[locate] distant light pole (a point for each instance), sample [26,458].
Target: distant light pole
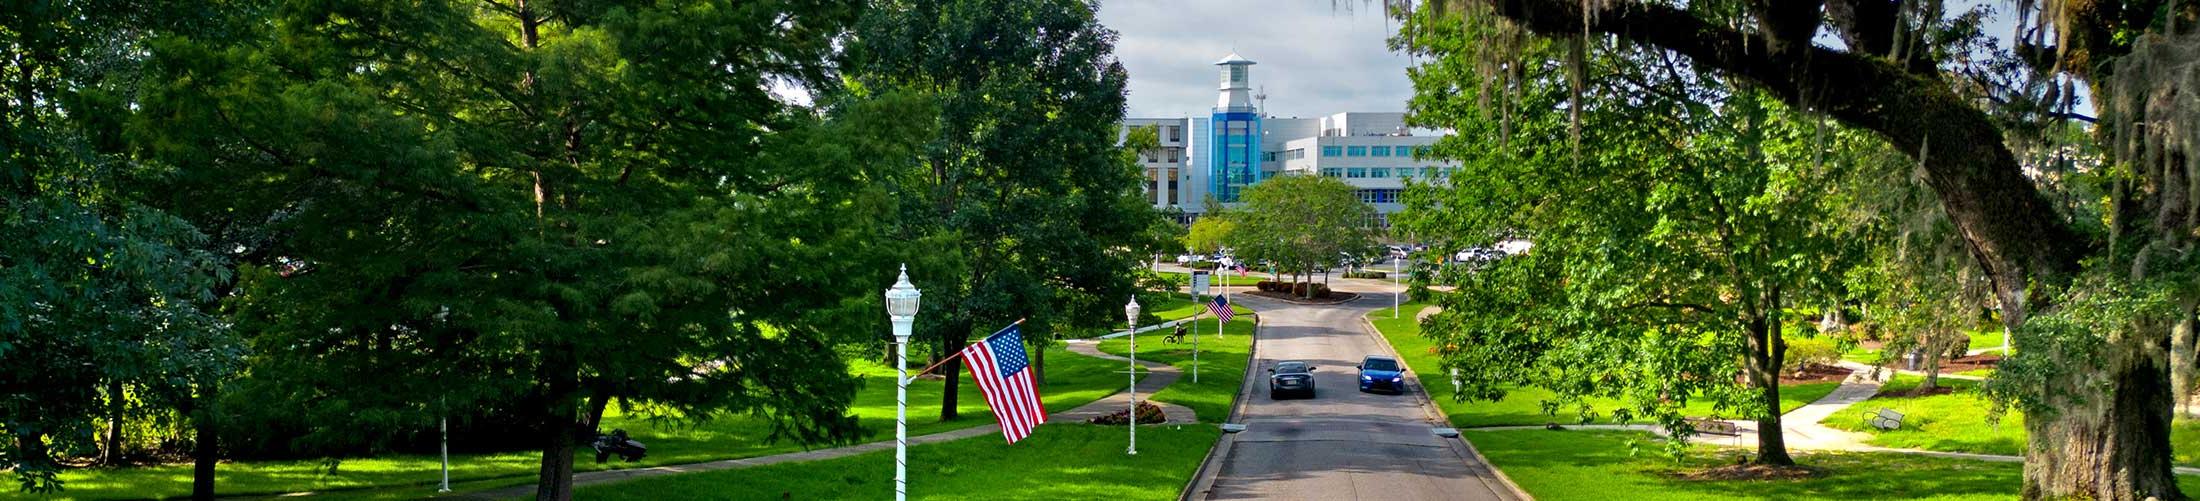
[1130,311]
[901,311]
[445,425]
[1396,262]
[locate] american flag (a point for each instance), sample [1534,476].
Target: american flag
[1221,308]
[1003,371]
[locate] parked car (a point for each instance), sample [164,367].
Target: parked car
[1186,258]
[1290,377]
[1382,374]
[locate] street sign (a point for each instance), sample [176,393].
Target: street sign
[1199,282]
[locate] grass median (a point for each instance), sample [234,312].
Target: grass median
[1958,422]
[1222,361]
[1058,461]
[1072,380]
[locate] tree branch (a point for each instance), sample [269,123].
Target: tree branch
[2015,234]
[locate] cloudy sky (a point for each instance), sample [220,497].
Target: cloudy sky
[1316,56]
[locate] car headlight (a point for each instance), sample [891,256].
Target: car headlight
[1394,380]
[1364,377]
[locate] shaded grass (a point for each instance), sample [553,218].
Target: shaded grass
[1597,466]
[1072,380]
[1957,422]
[1523,405]
[1221,364]
[1058,461]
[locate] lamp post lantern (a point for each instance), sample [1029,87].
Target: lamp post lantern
[901,311]
[1130,311]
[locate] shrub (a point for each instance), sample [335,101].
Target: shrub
[1810,351]
[1270,286]
[1318,291]
[1366,274]
[1203,265]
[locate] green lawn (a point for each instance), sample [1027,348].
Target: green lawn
[1221,364]
[1072,380]
[1522,405]
[1597,466]
[1178,306]
[1985,338]
[1956,422]
[1058,461]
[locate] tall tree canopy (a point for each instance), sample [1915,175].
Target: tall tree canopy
[531,209]
[1024,206]
[105,302]
[1918,76]
[1301,223]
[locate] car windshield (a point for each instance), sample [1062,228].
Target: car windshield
[1291,368]
[1380,364]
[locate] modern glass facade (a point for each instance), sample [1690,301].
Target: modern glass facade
[1234,161]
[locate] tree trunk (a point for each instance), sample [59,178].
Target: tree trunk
[1038,366]
[204,451]
[2109,445]
[555,480]
[957,338]
[1932,370]
[110,448]
[2182,364]
[1766,351]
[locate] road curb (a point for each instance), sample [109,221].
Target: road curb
[1201,482]
[1428,406]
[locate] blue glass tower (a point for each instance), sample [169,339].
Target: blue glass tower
[1233,133]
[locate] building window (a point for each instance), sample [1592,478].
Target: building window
[1173,198]
[1382,151]
[1176,133]
[1331,151]
[1175,154]
[1405,173]
[1421,150]
[1355,151]
[1378,196]
[1332,172]
[1355,172]
[1378,172]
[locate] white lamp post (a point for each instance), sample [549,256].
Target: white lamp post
[1131,311]
[1398,281]
[901,310]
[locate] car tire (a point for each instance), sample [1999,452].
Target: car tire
[1272,395]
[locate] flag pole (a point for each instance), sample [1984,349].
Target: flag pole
[950,358]
[1195,338]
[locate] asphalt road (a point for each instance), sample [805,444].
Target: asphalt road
[1342,444]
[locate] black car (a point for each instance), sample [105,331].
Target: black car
[1291,377]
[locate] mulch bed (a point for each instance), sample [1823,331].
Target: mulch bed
[1919,392]
[1750,472]
[1334,297]
[1970,363]
[1815,373]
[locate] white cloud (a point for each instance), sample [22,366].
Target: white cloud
[1316,57]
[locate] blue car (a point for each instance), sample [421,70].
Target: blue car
[1382,374]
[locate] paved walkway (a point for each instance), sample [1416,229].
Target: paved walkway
[1159,376]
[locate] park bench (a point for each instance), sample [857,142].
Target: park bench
[1885,419]
[1708,426]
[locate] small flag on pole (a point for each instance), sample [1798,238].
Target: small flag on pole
[1221,308]
[1003,372]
